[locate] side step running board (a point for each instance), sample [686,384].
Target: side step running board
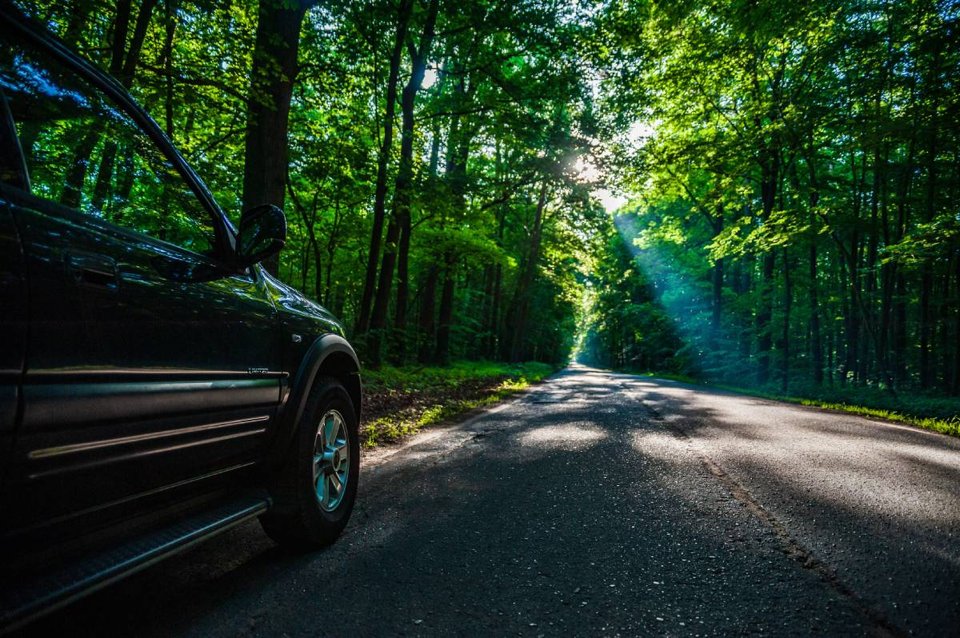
[27,599]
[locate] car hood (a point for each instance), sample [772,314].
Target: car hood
[297,312]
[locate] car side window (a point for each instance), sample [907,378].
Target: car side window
[85,152]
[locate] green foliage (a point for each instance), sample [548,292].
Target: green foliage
[506,114]
[626,327]
[792,165]
[410,379]
[795,209]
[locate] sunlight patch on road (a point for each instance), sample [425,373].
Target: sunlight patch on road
[818,457]
[563,437]
[660,445]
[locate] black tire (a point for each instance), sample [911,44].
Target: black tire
[298,518]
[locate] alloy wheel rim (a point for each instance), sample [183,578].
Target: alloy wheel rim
[331,461]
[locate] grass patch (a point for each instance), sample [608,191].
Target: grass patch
[682,378]
[400,401]
[949,426]
[930,412]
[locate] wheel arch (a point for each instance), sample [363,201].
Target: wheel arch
[329,356]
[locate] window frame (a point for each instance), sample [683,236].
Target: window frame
[224,240]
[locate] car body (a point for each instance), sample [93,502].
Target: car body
[157,385]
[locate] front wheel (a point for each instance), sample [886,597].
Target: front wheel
[315,490]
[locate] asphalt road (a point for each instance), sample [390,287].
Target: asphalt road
[597,504]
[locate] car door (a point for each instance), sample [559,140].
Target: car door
[13,318]
[12,326]
[152,368]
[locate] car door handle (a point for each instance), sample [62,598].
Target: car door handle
[93,270]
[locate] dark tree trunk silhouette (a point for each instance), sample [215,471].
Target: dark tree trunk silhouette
[397,245]
[272,75]
[383,159]
[521,298]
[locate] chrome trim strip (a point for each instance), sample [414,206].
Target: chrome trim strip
[142,453]
[137,438]
[43,374]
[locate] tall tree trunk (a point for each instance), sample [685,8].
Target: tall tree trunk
[932,79]
[445,319]
[945,365]
[851,261]
[830,351]
[378,317]
[123,66]
[492,346]
[900,327]
[768,194]
[521,299]
[129,69]
[926,287]
[769,157]
[926,324]
[403,189]
[491,343]
[496,312]
[427,322]
[899,302]
[170,8]
[887,270]
[318,287]
[481,338]
[455,174]
[332,243]
[764,316]
[310,223]
[716,314]
[787,307]
[383,158]
[272,75]
[816,347]
[398,347]
[304,268]
[741,286]
[955,390]
[121,27]
[872,249]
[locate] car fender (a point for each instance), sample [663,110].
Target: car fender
[329,355]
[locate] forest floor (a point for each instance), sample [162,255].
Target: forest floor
[399,401]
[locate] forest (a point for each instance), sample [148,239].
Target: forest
[796,222]
[759,193]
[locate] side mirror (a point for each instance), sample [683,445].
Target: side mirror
[263,232]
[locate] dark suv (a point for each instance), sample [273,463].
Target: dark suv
[156,385]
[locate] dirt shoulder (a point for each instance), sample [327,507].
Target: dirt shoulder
[400,401]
